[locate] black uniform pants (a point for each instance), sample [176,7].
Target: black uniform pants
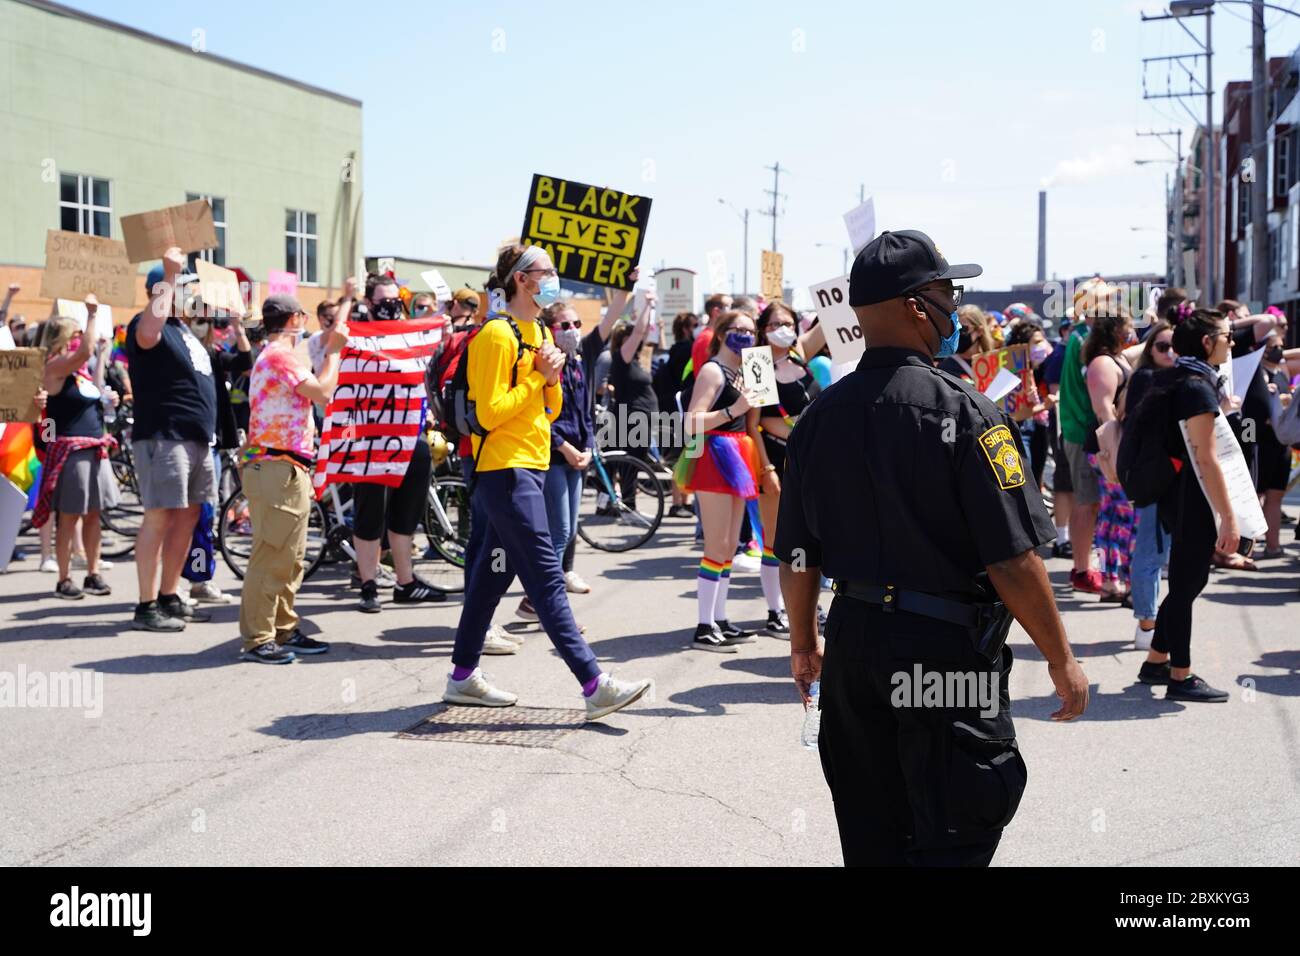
[915,785]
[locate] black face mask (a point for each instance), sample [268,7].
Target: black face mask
[1274,354]
[963,341]
[387,310]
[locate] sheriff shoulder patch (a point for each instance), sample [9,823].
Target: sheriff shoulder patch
[1004,457]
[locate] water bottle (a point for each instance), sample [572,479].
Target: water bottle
[812,718]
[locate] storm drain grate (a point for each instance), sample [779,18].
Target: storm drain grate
[512,726]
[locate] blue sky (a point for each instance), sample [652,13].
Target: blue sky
[951,114]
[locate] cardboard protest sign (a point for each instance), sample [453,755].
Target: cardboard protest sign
[861,224]
[773,275]
[840,325]
[1242,497]
[20,380]
[219,288]
[77,265]
[279,282]
[759,374]
[1014,358]
[591,233]
[149,234]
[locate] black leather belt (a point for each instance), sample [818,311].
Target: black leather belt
[891,598]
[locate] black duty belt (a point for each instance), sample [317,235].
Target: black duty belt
[891,598]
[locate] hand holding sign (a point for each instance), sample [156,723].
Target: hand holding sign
[759,373]
[591,234]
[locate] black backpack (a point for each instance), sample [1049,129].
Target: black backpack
[1145,467]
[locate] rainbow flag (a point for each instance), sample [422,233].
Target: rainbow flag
[119,345]
[18,460]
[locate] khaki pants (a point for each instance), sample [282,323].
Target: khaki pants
[279,502]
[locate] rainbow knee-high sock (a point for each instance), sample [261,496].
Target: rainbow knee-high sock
[769,575]
[707,588]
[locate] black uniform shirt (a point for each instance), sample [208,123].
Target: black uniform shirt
[901,474]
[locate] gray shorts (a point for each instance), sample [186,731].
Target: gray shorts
[86,484]
[174,474]
[1087,487]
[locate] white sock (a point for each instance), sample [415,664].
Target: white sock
[770,575]
[706,589]
[720,603]
[1063,534]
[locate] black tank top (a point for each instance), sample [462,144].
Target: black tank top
[727,396]
[74,413]
[792,396]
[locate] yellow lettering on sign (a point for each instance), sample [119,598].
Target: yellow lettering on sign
[560,200]
[588,203]
[627,207]
[545,191]
[582,232]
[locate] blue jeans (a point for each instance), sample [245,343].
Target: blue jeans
[563,490]
[509,535]
[1148,559]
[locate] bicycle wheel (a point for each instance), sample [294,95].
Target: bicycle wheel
[606,518]
[443,534]
[235,535]
[120,524]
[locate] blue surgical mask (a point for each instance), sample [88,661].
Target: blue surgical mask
[737,341]
[548,291]
[947,346]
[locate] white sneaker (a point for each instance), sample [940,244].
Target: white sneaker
[205,592]
[50,566]
[501,634]
[1142,638]
[743,562]
[79,562]
[494,643]
[475,691]
[574,584]
[612,695]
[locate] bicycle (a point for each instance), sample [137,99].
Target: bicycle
[606,519]
[121,523]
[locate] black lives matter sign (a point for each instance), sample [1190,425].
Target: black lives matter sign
[592,234]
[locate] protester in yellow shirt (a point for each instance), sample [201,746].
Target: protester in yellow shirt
[514,390]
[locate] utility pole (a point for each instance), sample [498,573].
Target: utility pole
[777,196]
[1173,205]
[1181,10]
[1259,258]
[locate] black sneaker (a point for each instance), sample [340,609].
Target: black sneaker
[369,602]
[151,617]
[68,591]
[1151,673]
[777,625]
[94,584]
[300,643]
[417,592]
[681,511]
[268,653]
[1195,690]
[735,635]
[173,606]
[709,638]
[1060,550]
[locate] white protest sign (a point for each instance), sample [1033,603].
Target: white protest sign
[386,265]
[843,335]
[437,285]
[13,502]
[6,341]
[72,309]
[1003,384]
[717,271]
[676,291]
[861,223]
[759,372]
[1242,496]
[1243,372]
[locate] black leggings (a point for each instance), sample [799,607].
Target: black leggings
[1190,554]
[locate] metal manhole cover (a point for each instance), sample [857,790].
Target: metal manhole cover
[513,726]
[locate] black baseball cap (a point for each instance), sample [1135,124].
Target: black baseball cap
[896,263]
[277,310]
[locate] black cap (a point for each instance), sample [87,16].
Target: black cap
[278,309]
[895,263]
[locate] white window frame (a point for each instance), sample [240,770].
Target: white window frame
[209,255]
[300,233]
[85,204]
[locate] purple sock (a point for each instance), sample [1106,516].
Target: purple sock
[589,688]
[460,673]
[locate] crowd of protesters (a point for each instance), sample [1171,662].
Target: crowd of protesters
[210,393]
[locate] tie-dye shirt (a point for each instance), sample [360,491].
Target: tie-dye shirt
[279,418]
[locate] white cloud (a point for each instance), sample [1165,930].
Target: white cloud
[1098,164]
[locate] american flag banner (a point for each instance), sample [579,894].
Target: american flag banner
[376,414]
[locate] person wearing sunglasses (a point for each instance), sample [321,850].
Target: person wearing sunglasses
[907,487]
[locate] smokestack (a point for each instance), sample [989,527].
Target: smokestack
[1042,235]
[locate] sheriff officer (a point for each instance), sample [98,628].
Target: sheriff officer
[907,487]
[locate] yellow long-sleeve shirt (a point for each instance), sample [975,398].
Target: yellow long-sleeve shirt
[518,419]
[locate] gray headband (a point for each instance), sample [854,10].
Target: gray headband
[531,255]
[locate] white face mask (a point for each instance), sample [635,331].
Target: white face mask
[782,337]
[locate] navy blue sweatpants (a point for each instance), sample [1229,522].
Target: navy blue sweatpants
[509,534]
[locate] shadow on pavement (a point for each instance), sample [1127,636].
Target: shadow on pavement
[1135,702]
